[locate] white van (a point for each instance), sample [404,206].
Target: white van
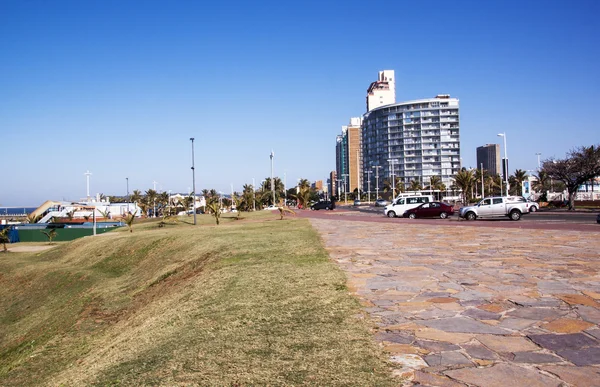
[402,204]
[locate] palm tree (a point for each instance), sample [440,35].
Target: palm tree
[435,182]
[129,221]
[50,234]
[151,196]
[214,206]
[415,185]
[304,193]
[518,178]
[464,180]
[136,196]
[163,202]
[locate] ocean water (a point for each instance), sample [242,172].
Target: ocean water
[8,211]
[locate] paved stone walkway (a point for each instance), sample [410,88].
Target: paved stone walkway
[472,306]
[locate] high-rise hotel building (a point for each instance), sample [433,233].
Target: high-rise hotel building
[414,140]
[489,156]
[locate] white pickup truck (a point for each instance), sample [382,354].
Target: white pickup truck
[496,206]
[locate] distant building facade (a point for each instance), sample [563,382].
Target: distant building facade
[332,183]
[383,91]
[489,156]
[415,140]
[348,156]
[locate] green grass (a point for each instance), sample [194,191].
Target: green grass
[254,301]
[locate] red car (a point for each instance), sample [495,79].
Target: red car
[430,210]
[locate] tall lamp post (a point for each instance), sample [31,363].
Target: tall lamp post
[345,175]
[87,178]
[393,177]
[376,168]
[128,200]
[193,181]
[272,182]
[253,196]
[358,174]
[369,185]
[503,135]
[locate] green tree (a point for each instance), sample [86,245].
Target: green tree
[435,182]
[464,180]
[516,181]
[581,165]
[213,205]
[50,234]
[415,185]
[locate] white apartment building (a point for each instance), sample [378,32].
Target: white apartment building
[383,91]
[413,140]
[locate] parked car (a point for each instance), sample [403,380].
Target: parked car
[270,208]
[497,206]
[357,202]
[533,206]
[430,210]
[381,203]
[324,205]
[598,219]
[401,204]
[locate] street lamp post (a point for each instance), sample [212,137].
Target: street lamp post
[253,196]
[369,185]
[503,135]
[393,176]
[272,182]
[358,174]
[284,189]
[128,200]
[376,167]
[345,175]
[87,178]
[193,181]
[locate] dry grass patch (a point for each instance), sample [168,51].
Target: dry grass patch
[252,301]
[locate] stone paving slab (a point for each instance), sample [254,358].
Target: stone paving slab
[471,306]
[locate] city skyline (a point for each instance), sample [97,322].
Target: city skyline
[118,89]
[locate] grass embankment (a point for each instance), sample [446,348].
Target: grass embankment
[251,302]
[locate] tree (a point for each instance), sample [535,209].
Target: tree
[580,165]
[435,182]
[129,221]
[516,181]
[136,196]
[50,234]
[213,206]
[303,195]
[464,180]
[187,203]
[4,238]
[415,185]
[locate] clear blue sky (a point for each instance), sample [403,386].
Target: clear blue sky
[119,87]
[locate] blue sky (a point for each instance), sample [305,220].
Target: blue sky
[119,87]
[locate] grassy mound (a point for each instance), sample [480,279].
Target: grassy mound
[252,301]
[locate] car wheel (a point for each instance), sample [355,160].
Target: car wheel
[391,214]
[412,215]
[515,215]
[470,216]
[443,215]
[533,209]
